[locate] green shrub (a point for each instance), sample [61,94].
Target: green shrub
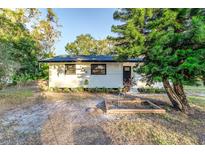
[55,89]
[151,90]
[66,90]
[81,89]
[86,82]
[103,90]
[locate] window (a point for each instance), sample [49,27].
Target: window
[98,69]
[127,68]
[70,69]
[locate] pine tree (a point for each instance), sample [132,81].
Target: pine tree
[172,42]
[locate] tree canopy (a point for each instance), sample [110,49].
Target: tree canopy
[24,39]
[172,42]
[85,44]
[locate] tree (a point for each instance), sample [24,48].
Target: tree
[15,38]
[105,47]
[172,44]
[7,66]
[23,43]
[83,45]
[87,45]
[46,33]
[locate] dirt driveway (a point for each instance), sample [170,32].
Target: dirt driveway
[56,119]
[72,118]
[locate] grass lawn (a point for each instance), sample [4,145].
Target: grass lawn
[196,95]
[195,89]
[12,97]
[197,100]
[16,93]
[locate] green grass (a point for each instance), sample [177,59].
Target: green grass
[197,100]
[15,95]
[195,89]
[193,98]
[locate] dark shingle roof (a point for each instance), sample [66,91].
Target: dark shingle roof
[88,58]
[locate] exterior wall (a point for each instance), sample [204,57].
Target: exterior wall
[112,79]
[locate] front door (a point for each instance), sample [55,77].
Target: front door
[126,75]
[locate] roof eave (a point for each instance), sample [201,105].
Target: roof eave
[48,61]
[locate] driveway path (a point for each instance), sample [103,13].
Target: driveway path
[55,122]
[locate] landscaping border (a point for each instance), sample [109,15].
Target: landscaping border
[156,108]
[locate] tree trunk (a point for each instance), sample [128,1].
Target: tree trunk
[177,96]
[178,88]
[172,95]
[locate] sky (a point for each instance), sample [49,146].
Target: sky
[96,22]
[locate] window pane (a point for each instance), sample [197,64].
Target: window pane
[98,69]
[70,69]
[127,68]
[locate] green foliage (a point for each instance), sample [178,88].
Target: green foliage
[87,45]
[103,90]
[151,90]
[170,40]
[81,89]
[7,66]
[24,39]
[86,82]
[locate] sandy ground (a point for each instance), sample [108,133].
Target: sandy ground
[55,121]
[78,118]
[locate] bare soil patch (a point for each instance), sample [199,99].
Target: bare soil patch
[55,118]
[79,118]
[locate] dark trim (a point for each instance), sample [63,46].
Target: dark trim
[48,61]
[89,58]
[98,64]
[127,75]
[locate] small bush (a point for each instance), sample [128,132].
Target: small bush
[66,90]
[103,90]
[151,90]
[56,89]
[86,82]
[81,89]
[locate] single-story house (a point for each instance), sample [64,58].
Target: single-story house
[90,71]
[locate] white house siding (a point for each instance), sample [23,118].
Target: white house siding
[112,79]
